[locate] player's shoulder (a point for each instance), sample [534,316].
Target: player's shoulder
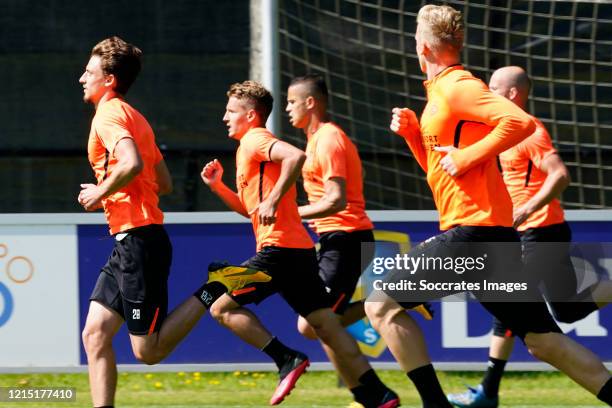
[115,108]
[464,78]
[461,83]
[539,141]
[255,138]
[257,133]
[540,133]
[330,133]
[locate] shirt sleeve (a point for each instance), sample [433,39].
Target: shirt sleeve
[112,126]
[470,99]
[331,155]
[415,143]
[538,146]
[257,145]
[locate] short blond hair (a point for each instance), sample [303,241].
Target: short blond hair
[442,26]
[256,94]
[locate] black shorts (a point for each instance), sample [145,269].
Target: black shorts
[134,281]
[552,266]
[520,317]
[294,277]
[341,257]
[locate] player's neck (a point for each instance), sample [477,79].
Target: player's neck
[107,97]
[316,122]
[435,68]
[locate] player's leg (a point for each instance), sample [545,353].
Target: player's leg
[532,322]
[485,395]
[311,301]
[406,342]
[104,319]
[145,258]
[340,260]
[147,255]
[228,310]
[401,333]
[100,327]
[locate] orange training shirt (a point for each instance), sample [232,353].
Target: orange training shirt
[462,112]
[256,176]
[136,204]
[330,153]
[521,170]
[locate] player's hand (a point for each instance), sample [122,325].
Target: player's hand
[521,214]
[266,212]
[312,225]
[212,173]
[447,163]
[404,121]
[90,197]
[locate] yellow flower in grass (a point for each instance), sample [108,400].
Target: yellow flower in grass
[188,381]
[236,373]
[148,376]
[23,381]
[158,385]
[214,382]
[180,374]
[197,374]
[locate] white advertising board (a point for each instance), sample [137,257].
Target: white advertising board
[39,314]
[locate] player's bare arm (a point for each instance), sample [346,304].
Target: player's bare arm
[129,165]
[557,180]
[291,159]
[332,202]
[212,176]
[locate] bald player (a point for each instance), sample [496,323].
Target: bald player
[535,177]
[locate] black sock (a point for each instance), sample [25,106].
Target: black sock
[209,293]
[370,379]
[493,376]
[428,386]
[370,389]
[360,393]
[278,352]
[605,394]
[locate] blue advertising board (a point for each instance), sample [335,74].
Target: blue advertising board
[458,333]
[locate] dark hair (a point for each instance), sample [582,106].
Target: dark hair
[256,94]
[121,59]
[316,86]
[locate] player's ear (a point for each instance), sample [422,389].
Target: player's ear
[252,115]
[110,81]
[513,93]
[310,102]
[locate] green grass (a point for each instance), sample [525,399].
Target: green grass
[316,389]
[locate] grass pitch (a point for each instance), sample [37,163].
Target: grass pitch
[316,389]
